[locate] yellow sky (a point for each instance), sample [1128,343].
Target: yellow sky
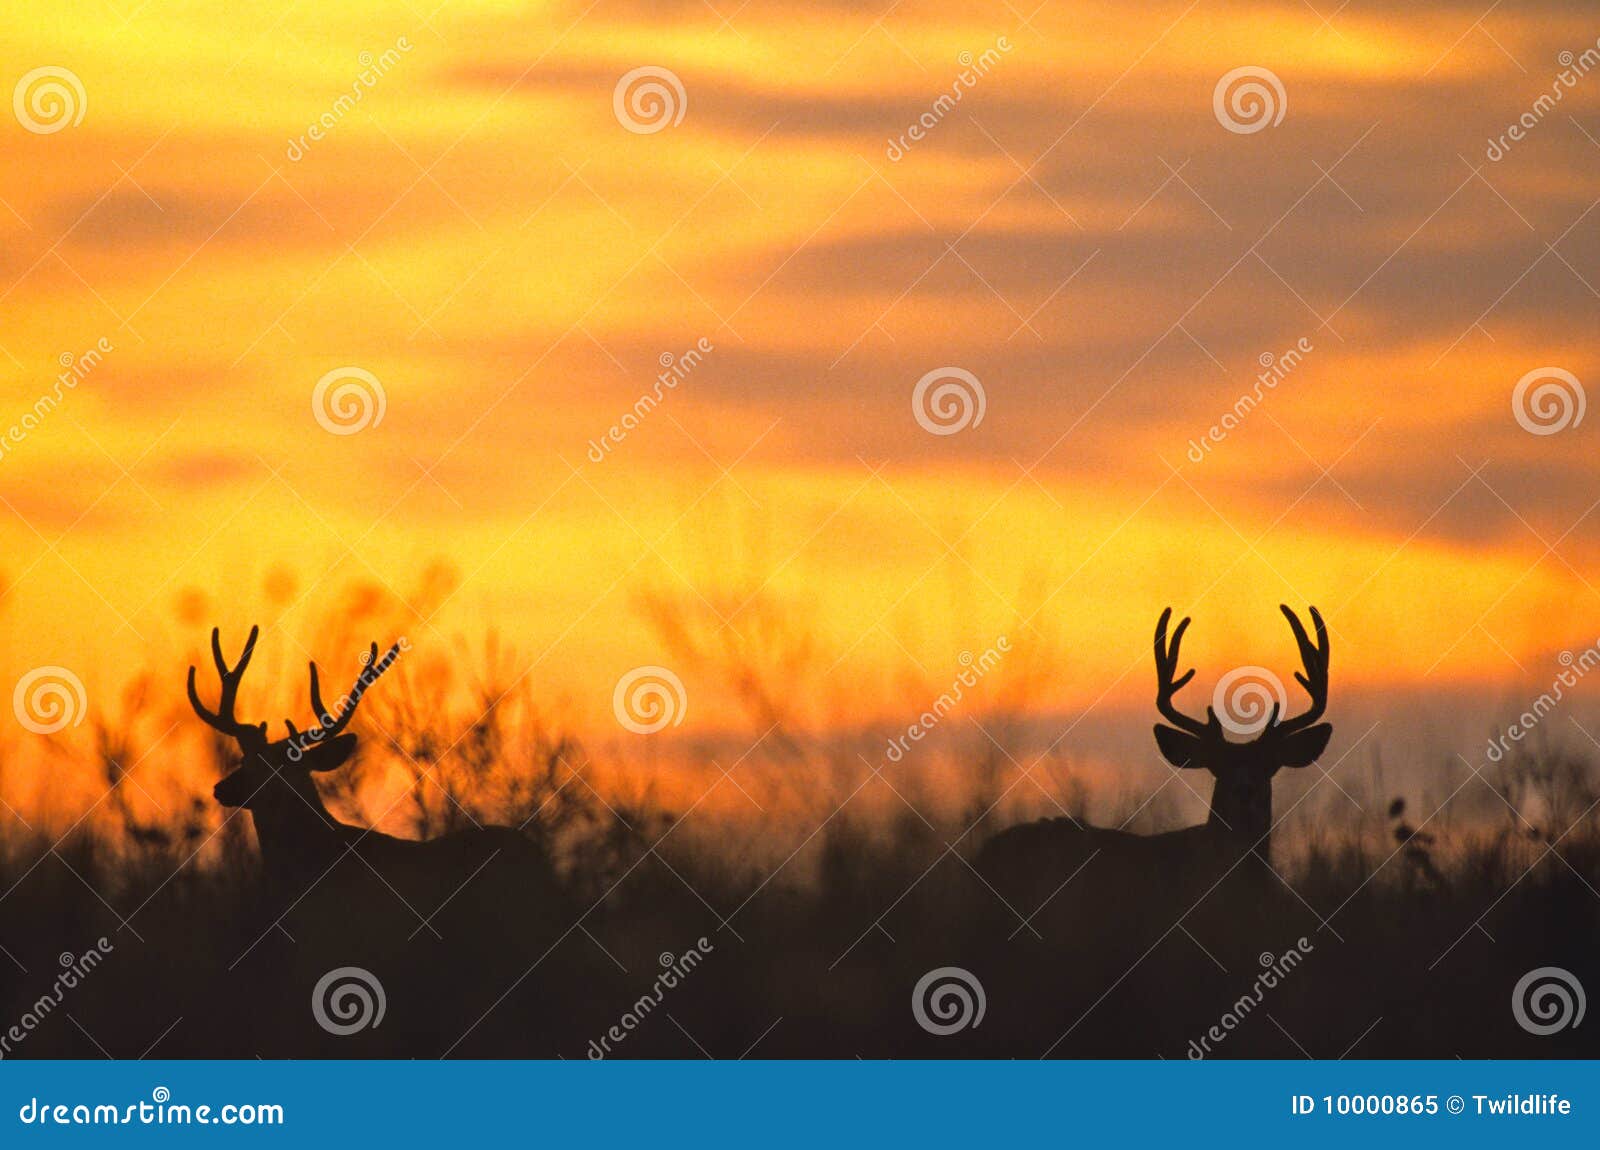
[483,236]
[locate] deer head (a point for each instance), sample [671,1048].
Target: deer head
[277,775]
[1241,799]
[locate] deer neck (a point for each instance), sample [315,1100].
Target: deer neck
[1246,824]
[295,829]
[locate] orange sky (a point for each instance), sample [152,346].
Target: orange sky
[482,235]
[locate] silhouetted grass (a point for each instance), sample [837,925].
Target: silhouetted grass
[824,885]
[1416,944]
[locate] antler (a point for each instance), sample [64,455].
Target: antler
[329,724]
[1166,686]
[1315,678]
[222,719]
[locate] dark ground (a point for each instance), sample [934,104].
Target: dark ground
[1405,959]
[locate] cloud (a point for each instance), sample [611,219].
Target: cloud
[1078,231]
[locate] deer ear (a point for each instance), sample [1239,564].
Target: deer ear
[1302,748]
[327,756]
[1180,749]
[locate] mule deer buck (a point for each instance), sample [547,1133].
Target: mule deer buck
[1040,857]
[304,848]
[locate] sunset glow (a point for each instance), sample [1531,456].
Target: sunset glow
[477,230]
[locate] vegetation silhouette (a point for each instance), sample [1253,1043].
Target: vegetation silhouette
[220,944]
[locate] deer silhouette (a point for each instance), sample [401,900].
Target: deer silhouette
[303,847]
[1039,857]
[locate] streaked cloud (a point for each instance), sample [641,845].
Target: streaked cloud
[1078,231]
